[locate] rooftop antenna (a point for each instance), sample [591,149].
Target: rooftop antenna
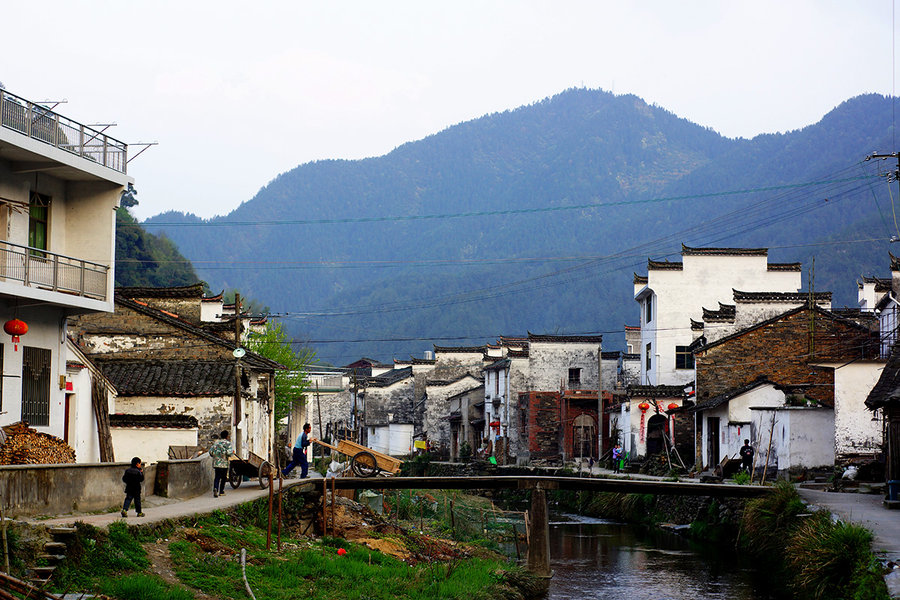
[145,145]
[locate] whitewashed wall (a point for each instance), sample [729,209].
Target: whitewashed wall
[854,430]
[151,444]
[801,438]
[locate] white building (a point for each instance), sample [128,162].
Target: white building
[674,293]
[60,183]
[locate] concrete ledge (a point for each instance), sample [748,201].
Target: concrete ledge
[45,490]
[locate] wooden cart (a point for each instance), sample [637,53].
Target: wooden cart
[364,461]
[255,466]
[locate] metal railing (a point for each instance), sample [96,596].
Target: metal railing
[45,125]
[50,271]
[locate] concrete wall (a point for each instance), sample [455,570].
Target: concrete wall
[549,364]
[39,490]
[151,444]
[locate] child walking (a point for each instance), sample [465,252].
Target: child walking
[133,478]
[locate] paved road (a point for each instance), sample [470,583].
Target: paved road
[159,509]
[866,510]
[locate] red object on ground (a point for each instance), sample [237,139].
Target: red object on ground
[341,552]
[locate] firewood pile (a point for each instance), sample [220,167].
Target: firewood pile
[25,446]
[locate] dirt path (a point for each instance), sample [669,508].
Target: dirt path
[161,564]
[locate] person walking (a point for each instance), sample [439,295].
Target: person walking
[220,452]
[134,479]
[299,453]
[746,453]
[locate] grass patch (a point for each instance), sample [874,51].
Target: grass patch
[139,586]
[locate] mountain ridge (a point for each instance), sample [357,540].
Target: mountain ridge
[568,150]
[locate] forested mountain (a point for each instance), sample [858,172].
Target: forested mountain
[534,220]
[145,259]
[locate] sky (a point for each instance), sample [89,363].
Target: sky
[235,95]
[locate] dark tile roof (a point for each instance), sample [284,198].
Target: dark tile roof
[175,378]
[512,341]
[391,377]
[786,297]
[631,356]
[819,310]
[657,265]
[250,359]
[887,390]
[612,355]
[517,353]
[632,328]
[696,325]
[733,393]
[217,298]
[725,314]
[688,251]
[460,349]
[497,364]
[895,263]
[882,284]
[576,339]
[185,291]
[641,279]
[784,267]
[655,391]
[154,421]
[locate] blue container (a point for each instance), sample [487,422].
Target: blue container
[893,489]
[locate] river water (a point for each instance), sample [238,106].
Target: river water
[594,559]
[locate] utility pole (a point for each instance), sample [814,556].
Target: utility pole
[892,176]
[237,375]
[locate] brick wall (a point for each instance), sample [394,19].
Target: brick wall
[781,351]
[541,416]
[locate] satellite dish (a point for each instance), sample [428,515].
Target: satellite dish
[239,352]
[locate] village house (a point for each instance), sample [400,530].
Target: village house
[60,184]
[782,382]
[674,293]
[173,381]
[466,421]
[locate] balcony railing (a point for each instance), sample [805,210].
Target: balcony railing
[45,125]
[54,272]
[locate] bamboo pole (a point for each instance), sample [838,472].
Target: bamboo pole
[766,466]
[324,504]
[280,491]
[269,522]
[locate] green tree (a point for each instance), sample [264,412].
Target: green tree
[292,383]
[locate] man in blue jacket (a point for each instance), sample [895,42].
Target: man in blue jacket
[299,454]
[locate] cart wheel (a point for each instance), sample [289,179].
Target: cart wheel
[264,469]
[364,464]
[235,478]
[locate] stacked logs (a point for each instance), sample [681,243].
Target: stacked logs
[25,446]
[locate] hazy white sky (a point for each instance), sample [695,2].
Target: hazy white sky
[236,94]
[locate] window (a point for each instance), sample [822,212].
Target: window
[496,384]
[38,213]
[649,316]
[574,379]
[647,358]
[36,386]
[684,358]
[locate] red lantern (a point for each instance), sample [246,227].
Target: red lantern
[672,406]
[643,406]
[15,328]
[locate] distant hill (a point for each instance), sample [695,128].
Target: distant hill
[433,241]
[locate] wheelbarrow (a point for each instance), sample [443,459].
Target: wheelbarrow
[254,467]
[364,461]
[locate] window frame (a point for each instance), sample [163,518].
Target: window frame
[684,354]
[38,223]
[647,359]
[574,383]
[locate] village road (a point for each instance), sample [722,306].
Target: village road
[159,509]
[866,510]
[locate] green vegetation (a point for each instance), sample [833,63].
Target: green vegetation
[817,558]
[144,259]
[205,556]
[292,384]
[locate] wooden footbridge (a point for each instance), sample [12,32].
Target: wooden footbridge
[539,538]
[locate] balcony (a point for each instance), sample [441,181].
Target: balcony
[53,272]
[44,125]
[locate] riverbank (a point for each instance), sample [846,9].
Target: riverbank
[200,556]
